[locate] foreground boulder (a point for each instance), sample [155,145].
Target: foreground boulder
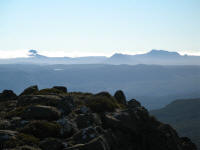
[52,119]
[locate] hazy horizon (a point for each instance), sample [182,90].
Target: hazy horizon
[25,53]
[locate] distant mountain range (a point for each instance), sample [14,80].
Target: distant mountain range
[157,57]
[184,116]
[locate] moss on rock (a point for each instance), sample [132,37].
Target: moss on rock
[42,129]
[49,91]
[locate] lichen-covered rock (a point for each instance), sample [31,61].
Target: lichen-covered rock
[84,110]
[39,112]
[65,104]
[26,147]
[85,135]
[98,143]
[132,120]
[67,127]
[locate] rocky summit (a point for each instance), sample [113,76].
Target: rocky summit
[55,119]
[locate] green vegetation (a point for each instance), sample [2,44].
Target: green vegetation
[101,104]
[21,139]
[42,129]
[28,139]
[16,112]
[48,91]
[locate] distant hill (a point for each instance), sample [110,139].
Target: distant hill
[157,57]
[184,116]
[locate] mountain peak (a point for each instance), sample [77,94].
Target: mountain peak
[34,53]
[119,55]
[154,52]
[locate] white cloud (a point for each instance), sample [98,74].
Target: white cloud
[13,53]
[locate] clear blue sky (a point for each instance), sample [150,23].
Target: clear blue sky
[103,27]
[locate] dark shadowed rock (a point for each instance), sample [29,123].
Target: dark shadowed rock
[30,90]
[7,95]
[120,97]
[6,135]
[42,129]
[133,120]
[133,103]
[40,112]
[98,143]
[61,88]
[18,122]
[187,144]
[26,147]
[134,124]
[86,120]
[51,144]
[5,124]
